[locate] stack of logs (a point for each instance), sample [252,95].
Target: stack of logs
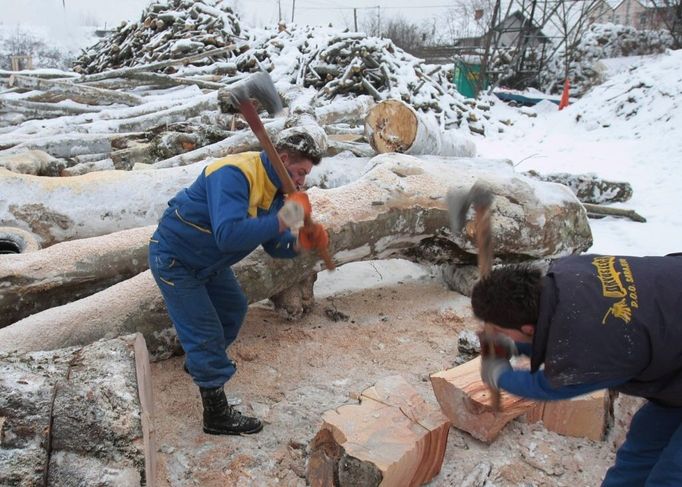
[168,29]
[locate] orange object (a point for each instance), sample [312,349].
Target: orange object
[313,236]
[302,199]
[563,103]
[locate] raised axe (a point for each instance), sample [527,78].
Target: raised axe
[480,196]
[259,86]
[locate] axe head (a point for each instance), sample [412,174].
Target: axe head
[258,86]
[459,201]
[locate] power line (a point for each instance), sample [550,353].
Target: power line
[376,6]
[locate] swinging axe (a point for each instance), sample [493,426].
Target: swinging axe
[260,87]
[480,197]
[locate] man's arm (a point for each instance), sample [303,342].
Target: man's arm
[227,192]
[535,385]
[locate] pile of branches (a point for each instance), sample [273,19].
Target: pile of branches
[348,64]
[168,29]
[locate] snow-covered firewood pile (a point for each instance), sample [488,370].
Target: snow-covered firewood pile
[601,41]
[167,30]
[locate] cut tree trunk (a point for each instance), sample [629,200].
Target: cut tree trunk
[394,126]
[78,93]
[65,145]
[466,401]
[78,416]
[393,438]
[389,212]
[35,281]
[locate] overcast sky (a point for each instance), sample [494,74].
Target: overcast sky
[253,12]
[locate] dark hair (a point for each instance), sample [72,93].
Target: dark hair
[300,146]
[509,296]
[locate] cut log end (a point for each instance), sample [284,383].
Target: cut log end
[392,126]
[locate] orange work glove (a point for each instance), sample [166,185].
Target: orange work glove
[313,236]
[302,199]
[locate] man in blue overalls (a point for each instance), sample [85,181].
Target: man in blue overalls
[597,322]
[234,205]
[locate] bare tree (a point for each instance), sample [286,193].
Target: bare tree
[669,14]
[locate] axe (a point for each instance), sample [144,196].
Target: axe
[259,86]
[480,196]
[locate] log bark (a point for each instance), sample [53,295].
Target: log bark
[82,94]
[78,416]
[466,401]
[390,212]
[394,126]
[393,438]
[35,281]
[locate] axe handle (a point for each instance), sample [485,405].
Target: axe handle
[251,116]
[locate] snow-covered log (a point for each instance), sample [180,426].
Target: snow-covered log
[78,416]
[35,162]
[393,208]
[68,271]
[40,110]
[589,188]
[394,126]
[79,93]
[64,145]
[58,209]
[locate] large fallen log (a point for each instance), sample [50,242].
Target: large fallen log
[38,280]
[78,416]
[59,209]
[79,93]
[40,110]
[389,212]
[394,126]
[393,438]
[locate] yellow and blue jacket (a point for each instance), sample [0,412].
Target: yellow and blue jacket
[228,211]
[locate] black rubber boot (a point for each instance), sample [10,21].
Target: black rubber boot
[222,419]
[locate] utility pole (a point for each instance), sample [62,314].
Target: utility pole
[379,18]
[355,18]
[293,9]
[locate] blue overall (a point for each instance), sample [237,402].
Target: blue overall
[222,217]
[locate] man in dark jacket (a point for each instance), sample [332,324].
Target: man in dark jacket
[595,322]
[235,205]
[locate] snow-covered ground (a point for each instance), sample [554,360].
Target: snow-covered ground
[627,129]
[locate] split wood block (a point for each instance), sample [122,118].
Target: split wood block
[466,401]
[584,416]
[392,438]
